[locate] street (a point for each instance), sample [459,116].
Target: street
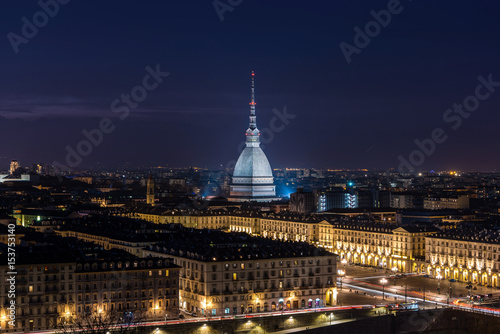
[370,282]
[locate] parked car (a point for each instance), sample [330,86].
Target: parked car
[452,280]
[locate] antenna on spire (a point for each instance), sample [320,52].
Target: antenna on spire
[252,103]
[253,120]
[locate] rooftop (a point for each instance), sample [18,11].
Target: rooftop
[210,245]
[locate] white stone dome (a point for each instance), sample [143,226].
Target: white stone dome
[252,163]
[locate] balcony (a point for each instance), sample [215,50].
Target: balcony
[214,293]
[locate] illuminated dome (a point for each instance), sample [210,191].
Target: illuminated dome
[252,177]
[253,163]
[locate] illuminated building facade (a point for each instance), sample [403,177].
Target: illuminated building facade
[401,248]
[52,287]
[450,202]
[14,166]
[45,294]
[230,274]
[466,256]
[145,287]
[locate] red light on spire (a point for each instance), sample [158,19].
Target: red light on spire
[253,74]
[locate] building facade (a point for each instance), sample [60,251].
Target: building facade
[466,256]
[147,288]
[53,288]
[248,286]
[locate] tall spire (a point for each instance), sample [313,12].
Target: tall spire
[253,118]
[252,134]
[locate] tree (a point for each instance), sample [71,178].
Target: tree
[101,323]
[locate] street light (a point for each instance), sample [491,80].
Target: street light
[383,281]
[439,282]
[341,274]
[344,262]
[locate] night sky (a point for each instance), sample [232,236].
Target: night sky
[362,114]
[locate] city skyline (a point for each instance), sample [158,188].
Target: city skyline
[249,166]
[355,105]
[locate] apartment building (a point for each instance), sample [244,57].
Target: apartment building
[235,273]
[468,253]
[378,242]
[447,202]
[148,288]
[44,290]
[377,245]
[54,284]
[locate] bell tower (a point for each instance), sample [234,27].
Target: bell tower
[150,194]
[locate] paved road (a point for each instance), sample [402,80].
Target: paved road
[416,285]
[347,297]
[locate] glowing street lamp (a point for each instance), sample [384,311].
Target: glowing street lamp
[341,274]
[384,282]
[439,282]
[394,270]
